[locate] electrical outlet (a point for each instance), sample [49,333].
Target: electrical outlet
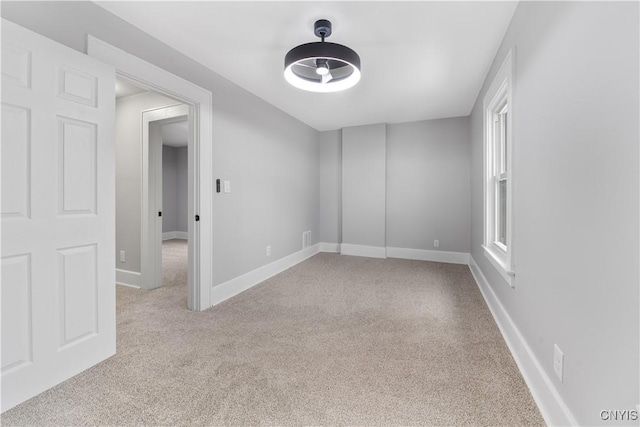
[269,250]
[558,361]
[436,243]
[122,256]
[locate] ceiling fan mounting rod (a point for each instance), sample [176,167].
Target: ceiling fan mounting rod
[322,28]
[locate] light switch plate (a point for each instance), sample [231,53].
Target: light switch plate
[227,186]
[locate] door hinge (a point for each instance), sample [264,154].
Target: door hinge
[159,213]
[197,217]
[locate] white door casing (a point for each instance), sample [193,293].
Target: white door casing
[201,188]
[58,213]
[151,245]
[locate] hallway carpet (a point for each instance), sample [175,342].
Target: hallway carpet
[335,340]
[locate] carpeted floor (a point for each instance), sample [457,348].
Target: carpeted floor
[333,340]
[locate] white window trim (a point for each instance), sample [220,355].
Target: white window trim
[500,257]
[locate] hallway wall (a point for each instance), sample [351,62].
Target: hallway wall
[182,188]
[169,189]
[128,131]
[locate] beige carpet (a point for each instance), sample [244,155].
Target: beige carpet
[335,340]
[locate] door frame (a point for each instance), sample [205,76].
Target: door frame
[151,242]
[200,101]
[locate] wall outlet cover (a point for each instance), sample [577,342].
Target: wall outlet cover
[558,361]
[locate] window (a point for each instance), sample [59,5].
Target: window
[498,171]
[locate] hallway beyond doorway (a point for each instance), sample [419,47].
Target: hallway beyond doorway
[174,263]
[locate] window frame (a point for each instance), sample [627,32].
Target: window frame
[498,166]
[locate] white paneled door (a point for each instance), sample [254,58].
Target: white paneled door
[58,221]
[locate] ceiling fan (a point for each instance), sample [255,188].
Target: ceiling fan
[322,66]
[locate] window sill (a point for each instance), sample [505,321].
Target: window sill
[500,264]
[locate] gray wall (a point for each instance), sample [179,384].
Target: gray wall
[174,188]
[128,129]
[331,186]
[428,194]
[270,158]
[576,178]
[169,189]
[363,185]
[410,184]
[575,128]
[182,177]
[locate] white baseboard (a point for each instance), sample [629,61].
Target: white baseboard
[426,255]
[233,287]
[175,235]
[390,252]
[128,278]
[553,409]
[362,250]
[330,247]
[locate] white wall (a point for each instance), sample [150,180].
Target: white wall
[428,194]
[364,185]
[575,130]
[270,158]
[128,128]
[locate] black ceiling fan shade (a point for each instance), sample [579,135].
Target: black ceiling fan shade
[332,51]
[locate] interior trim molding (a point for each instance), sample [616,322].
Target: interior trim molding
[168,235]
[128,278]
[363,250]
[330,247]
[233,287]
[427,255]
[552,407]
[200,100]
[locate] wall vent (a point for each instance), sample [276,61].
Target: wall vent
[306,239]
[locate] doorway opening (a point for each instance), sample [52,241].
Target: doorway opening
[175,172]
[200,103]
[154,189]
[154,123]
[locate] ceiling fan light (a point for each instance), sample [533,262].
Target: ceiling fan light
[322,66]
[322,69]
[333,86]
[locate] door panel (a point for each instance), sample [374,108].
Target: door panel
[77,167]
[58,213]
[16,311]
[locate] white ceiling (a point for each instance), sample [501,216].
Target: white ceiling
[420,60]
[175,134]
